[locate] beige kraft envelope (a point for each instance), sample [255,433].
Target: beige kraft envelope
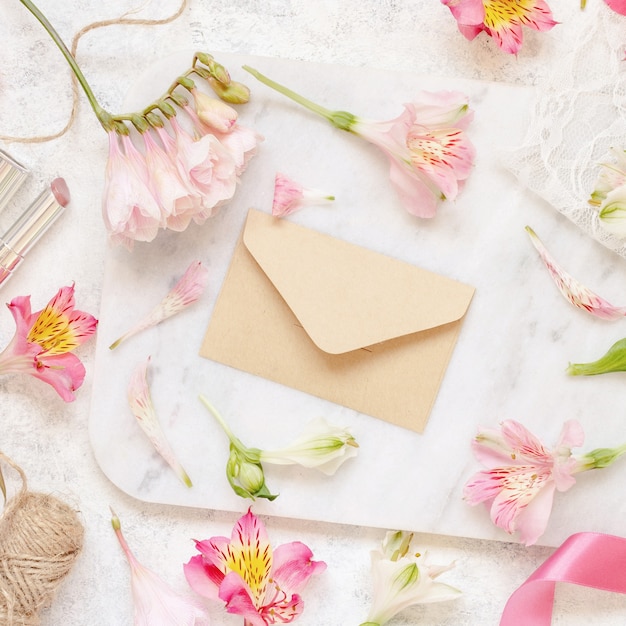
[336,320]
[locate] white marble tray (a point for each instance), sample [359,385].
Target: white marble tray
[509,362]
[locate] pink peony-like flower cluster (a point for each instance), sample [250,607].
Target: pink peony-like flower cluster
[165,176]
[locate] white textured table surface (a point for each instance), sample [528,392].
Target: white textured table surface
[49,438]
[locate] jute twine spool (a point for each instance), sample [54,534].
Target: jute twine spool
[40,538]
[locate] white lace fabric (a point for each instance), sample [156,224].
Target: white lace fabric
[577,116]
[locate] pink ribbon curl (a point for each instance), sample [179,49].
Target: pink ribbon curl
[589,559]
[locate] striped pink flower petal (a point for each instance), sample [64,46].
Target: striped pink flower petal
[579,295]
[185,292]
[141,405]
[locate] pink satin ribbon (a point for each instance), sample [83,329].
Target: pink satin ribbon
[589,559]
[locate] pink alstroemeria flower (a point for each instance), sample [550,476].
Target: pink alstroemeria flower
[43,342]
[501,19]
[522,474]
[255,581]
[575,293]
[185,292]
[155,602]
[290,195]
[428,149]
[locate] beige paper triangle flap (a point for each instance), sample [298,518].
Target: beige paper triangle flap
[347,297]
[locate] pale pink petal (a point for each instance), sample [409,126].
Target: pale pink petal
[572,435]
[533,520]
[438,110]
[522,442]
[141,405]
[155,602]
[418,197]
[576,293]
[175,197]
[184,293]
[519,488]
[129,209]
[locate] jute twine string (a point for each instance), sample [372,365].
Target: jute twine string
[40,538]
[124,19]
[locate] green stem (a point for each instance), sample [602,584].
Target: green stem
[101,114]
[340,119]
[219,418]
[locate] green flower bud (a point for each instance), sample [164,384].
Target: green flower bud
[613,361]
[233,92]
[601,457]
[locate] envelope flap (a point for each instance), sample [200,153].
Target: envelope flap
[345,296]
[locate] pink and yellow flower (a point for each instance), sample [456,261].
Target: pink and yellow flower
[257,582]
[43,342]
[155,602]
[429,152]
[290,195]
[501,19]
[573,291]
[522,475]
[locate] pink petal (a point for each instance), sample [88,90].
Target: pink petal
[533,520]
[520,487]
[418,198]
[287,195]
[236,594]
[509,38]
[185,292]
[572,435]
[64,372]
[466,12]
[140,403]
[200,579]
[294,565]
[524,443]
[576,293]
[617,5]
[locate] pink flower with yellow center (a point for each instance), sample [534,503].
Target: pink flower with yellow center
[43,342]
[501,19]
[429,152]
[255,581]
[522,474]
